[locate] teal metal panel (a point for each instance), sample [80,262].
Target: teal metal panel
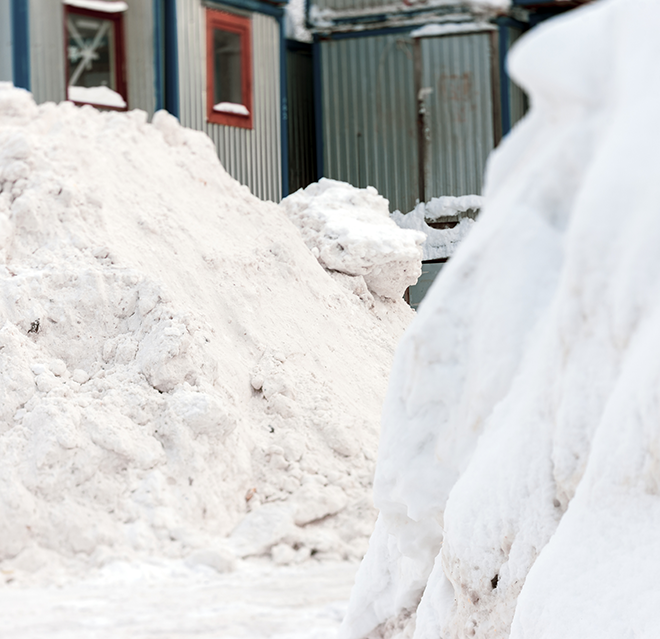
[369,115]
[302,134]
[517,97]
[457,76]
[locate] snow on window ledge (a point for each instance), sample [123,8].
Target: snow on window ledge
[105,6]
[231,107]
[97,96]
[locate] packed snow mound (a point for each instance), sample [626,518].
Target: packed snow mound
[439,243]
[175,366]
[518,476]
[350,232]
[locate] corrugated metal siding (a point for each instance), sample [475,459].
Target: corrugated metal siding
[47,50]
[460,112]
[253,157]
[139,41]
[302,133]
[357,5]
[369,115]
[5,42]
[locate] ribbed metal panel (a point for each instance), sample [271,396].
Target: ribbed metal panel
[356,5]
[457,69]
[302,134]
[5,41]
[253,156]
[369,115]
[139,42]
[47,50]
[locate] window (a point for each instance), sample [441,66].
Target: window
[228,69]
[95,55]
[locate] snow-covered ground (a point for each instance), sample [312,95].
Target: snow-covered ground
[169,600]
[185,389]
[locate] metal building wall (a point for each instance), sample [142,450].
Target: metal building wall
[253,156]
[139,40]
[47,63]
[47,51]
[458,70]
[369,112]
[5,42]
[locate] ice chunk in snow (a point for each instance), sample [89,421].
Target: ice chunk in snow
[349,231]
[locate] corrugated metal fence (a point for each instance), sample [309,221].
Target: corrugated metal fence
[457,70]
[372,135]
[369,115]
[253,156]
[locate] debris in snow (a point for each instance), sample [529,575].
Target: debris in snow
[190,351]
[349,231]
[518,476]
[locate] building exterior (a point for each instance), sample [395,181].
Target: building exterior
[220,67]
[412,96]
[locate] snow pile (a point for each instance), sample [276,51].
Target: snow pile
[519,469]
[449,206]
[175,367]
[350,232]
[439,243]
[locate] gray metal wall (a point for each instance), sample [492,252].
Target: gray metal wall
[5,42]
[369,112]
[139,39]
[253,156]
[458,70]
[47,63]
[47,73]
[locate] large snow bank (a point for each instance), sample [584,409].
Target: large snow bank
[349,230]
[518,476]
[175,366]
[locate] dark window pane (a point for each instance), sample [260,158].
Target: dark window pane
[90,52]
[227,67]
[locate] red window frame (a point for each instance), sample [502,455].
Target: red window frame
[243,27]
[120,58]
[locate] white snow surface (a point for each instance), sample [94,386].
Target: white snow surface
[178,375]
[439,243]
[106,6]
[101,96]
[350,232]
[518,475]
[447,205]
[231,107]
[295,26]
[450,28]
